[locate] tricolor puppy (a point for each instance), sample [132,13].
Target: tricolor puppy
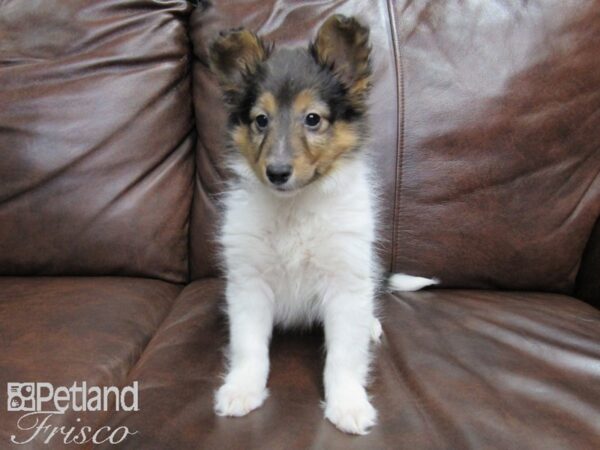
[299,229]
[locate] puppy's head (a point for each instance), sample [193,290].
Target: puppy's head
[295,113]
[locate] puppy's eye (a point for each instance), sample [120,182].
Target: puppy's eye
[312,120]
[262,121]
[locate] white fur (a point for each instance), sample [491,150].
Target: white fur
[407,283]
[295,260]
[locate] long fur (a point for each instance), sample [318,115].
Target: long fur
[307,255]
[300,260]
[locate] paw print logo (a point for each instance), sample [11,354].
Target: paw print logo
[21,397]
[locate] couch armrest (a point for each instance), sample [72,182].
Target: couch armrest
[588,279]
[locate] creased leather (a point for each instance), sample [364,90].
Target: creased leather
[456,369]
[485,135]
[63,330]
[96,138]
[501,168]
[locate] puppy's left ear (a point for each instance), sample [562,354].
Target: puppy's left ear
[342,45]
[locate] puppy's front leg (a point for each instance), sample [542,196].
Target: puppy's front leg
[250,311]
[348,320]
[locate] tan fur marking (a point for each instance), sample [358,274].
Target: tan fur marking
[344,139]
[304,101]
[315,152]
[243,141]
[267,103]
[249,145]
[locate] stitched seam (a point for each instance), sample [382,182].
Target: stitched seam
[188,229]
[400,107]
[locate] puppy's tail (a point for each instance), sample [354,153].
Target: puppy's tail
[407,283]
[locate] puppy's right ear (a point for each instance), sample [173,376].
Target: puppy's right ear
[236,56]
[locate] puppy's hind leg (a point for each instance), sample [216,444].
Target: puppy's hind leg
[250,311]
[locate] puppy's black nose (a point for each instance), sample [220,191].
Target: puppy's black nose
[278,174]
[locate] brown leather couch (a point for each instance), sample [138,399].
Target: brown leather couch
[486,125]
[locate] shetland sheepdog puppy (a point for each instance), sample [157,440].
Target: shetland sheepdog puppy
[299,228]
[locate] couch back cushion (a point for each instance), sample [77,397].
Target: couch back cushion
[485,127]
[96,137]
[501,141]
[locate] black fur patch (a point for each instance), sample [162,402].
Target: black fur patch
[336,66]
[285,74]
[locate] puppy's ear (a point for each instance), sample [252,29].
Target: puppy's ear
[342,45]
[236,56]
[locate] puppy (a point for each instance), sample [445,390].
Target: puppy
[299,227]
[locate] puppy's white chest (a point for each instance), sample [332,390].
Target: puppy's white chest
[294,239]
[295,262]
[301,247]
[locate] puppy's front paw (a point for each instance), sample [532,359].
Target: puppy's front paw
[351,412]
[238,400]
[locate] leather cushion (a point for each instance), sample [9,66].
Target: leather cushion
[500,138]
[96,135]
[66,330]
[456,369]
[485,133]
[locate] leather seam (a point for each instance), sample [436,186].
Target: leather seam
[400,128]
[194,118]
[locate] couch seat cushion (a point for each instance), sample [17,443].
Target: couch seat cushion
[66,330]
[456,369]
